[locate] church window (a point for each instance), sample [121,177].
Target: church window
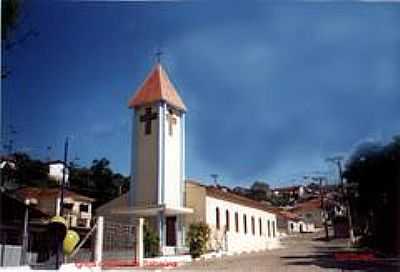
[217,217]
[273,229]
[260,224]
[227,220]
[237,222]
[253,227]
[245,223]
[269,228]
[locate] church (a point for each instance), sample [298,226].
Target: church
[159,191]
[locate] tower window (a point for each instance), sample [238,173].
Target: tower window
[269,228]
[260,224]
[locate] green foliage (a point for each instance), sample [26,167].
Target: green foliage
[260,191]
[10,10]
[97,181]
[29,172]
[373,175]
[150,241]
[279,200]
[197,238]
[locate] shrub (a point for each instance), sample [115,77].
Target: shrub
[150,241]
[197,238]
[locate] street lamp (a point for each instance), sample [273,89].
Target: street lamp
[25,236]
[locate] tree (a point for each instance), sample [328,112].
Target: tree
[11,11]
[98,181]
[151,241]
[31,172]
[373,173]
[260,190]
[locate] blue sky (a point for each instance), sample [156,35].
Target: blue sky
[272,89]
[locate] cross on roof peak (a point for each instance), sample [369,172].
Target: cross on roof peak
[158,55]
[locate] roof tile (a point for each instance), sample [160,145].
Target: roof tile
[157,87]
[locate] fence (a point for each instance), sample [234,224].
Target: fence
[107,243]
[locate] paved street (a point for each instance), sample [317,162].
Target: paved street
[305,253]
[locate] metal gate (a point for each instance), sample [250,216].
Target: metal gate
[119,244]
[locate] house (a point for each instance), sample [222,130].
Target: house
[295,223]
[7,161]
[77,208]
[291,192]
[158,191]
[56,169]
[310,213]
[13,211]
[12,217]
[7,165]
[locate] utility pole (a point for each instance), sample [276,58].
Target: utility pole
[338,161]
[59,245]
[63,177]
[324,212]
[215,178]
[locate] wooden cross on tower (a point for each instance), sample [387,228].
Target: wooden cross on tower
[171,121]
[147,118]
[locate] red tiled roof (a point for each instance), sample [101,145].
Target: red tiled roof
[157,87]
[289,215]
[308,205]
[235,198]
[40,193]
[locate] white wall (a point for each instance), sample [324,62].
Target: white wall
[239,241]
[172,161]
[56,172]
[300,226]
[76,213]
[145,177]
[293,226]
[158,170]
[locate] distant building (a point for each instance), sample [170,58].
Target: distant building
[295,223]
[56,169]
[309,211]
[291,192]
[6,161]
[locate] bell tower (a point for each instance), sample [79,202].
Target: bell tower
[158,142]
[158,153]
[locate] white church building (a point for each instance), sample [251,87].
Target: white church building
[159,191]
